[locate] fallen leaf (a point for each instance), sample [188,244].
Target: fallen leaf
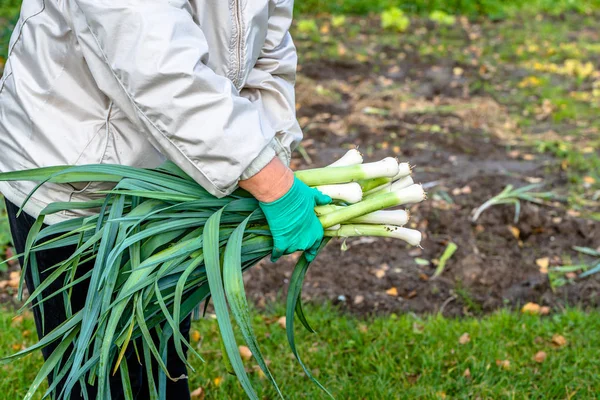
[245,352]
[531,308]
[392,292]
[467,373]
[559,340]
[545,310]
[218,380]
[464,339]
[363,328]
[543,263]
[423,277]
[589,180]
[259,372]
[281,322]
[571,275]
[412,295]
[540,357]
[26,333]
[528,157]
[18,320]
[418,328]
[195,336]
[504,364]
[379,273]
[515,231]
[359,299]
[197,394]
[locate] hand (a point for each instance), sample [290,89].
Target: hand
[289,209]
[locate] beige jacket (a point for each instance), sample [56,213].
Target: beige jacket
[208,84]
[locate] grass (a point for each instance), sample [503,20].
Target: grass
[397,357]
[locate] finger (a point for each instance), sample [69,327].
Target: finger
[322,199]
[309,256]
[276,254]
[313,251]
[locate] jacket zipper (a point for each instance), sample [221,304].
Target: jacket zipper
[237,4]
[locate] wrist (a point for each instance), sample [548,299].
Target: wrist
[271,183]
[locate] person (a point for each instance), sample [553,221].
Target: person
[206,84]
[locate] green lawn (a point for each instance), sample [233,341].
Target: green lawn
[391,358]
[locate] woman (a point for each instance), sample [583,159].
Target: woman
[207,84]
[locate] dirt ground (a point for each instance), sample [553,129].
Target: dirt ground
[466,147]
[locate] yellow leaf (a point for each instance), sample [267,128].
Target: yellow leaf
[589,180]
[559,340]
[543,263]
[545,310]
[504,364]
[195,336]
[464,339]
[392,292]
[361,58]
[218,380]
[245,352]
[197,394]
[540,357]
[531,308]
[281,322]
[515,231]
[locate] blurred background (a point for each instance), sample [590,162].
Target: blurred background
[495,103]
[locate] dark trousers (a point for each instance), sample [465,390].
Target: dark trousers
[55,314]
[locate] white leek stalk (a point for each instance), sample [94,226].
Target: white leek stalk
[392,187]
[410,236]
[347,192]
[404,169]
[385,217]
[411,194]
[388,167]
[352,157]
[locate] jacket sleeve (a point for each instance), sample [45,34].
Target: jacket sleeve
[270,84]
[149,57]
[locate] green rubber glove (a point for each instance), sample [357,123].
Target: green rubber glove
[293,221]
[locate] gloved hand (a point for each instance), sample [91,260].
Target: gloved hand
[293,221]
